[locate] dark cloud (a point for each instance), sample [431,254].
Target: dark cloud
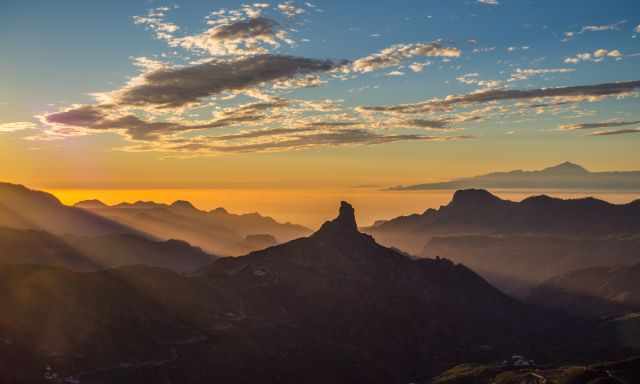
[97,118]
[606,124]
[177,87]
[429,124]
[321,138]
[261,133]
[244,29]
[579,92]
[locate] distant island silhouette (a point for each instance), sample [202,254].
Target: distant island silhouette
[562,176]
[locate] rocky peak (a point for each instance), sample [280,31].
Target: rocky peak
[219,211]
[345,222]
[183,204]
[468,198]
[89,204]
[565,168]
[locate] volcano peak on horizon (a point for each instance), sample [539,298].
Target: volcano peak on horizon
[566,175]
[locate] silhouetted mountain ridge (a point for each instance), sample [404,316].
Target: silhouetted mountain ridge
[562,176]
[479,212]
[333,307]
[23,208]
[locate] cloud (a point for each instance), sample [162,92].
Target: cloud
[100,118]
[396,54]
[606,124]
[484,50]
[16,126]
[243,31]
[524,74]
[473,79]
[488,2]
[395,73]
[241,37]
[597,56]
[594,28]
[513,49]
[560,94]
[442,125]
[309,140]
[289,9]
[418,67]
[182,86]
[616,132]
[601,28]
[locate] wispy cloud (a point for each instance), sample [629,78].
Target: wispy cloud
[16,126]
[597,56]
[593,28]
[488,2]
[396,54]
[616,132]
[563,94]
[524,74]
[604,124]
[601,28]
[298,141]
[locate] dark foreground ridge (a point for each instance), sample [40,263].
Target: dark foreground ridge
[333,307]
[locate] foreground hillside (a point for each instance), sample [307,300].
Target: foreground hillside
[620,372]
[334,307]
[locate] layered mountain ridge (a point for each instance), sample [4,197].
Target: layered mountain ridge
[216,231]
[335,303]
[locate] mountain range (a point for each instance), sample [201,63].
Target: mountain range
[24,208]
[216,231]
[479,212]
[332,307]
[110,296]
[562,176]
[519,245]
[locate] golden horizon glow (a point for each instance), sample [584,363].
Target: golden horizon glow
[308,207]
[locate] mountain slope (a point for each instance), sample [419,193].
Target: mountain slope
[598,291]
[517,263]
[83,253]
[23,208]
[617,372]
[216,231]
[562,176]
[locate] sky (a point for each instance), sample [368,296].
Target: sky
[321,95]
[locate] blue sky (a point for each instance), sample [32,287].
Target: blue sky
[343,60]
